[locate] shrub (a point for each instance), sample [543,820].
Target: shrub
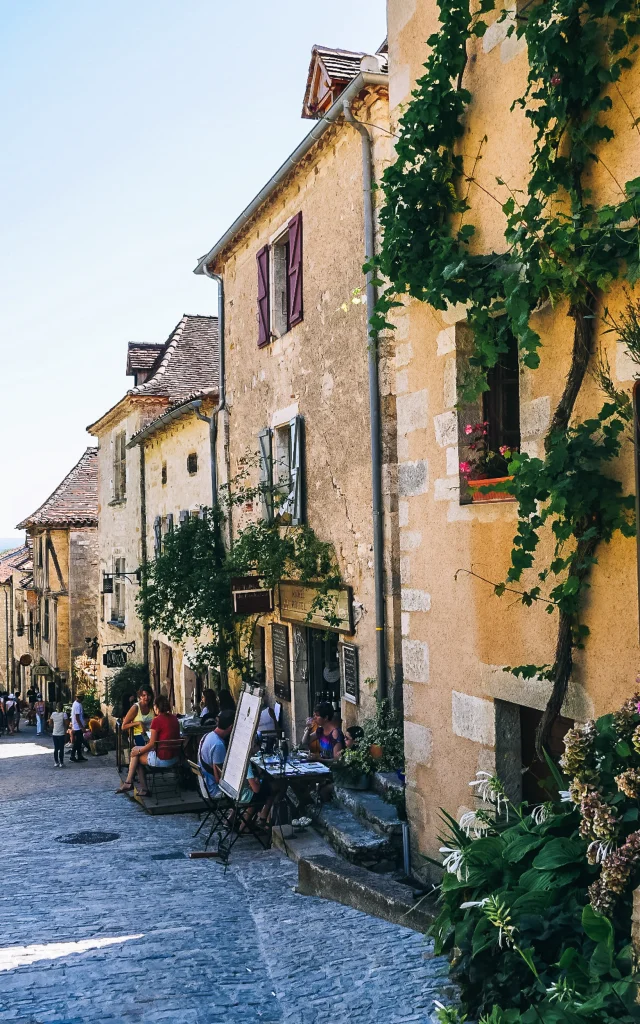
[124,684]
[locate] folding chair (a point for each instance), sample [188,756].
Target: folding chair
[156,772]
[217,806]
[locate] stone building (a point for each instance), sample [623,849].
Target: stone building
[167,378]
[15,568]
[61,595]
[464,711]
[296,387]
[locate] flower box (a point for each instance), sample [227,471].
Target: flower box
[493,495]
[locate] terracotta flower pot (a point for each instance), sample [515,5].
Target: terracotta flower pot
[376,751]
[495,495]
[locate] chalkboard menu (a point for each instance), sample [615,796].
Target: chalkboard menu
[280,650]
[349,666]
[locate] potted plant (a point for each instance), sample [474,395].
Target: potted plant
[483,469]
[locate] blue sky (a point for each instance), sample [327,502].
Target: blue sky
[133,134]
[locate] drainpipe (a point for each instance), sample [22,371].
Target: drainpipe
[374,401]
[143,544]
[6,627]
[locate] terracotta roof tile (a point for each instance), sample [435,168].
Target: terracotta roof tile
[187,362]
[74,502]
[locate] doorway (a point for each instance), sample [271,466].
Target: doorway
[324,668]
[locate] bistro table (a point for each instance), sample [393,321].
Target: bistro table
[291,781]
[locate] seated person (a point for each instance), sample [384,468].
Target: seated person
[226,701]
[97,727]
[213,751]
[209,707]
[164,732]
[255,794]
[353,736]
[323,730]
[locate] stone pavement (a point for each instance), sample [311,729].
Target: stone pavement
[130,930]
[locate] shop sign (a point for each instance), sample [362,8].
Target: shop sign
[116,658]
[280,654]
[296,605]
[250,597]
[349,673]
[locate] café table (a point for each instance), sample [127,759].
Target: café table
[291,781]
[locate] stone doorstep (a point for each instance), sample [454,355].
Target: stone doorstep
[388,786]
[351,838]
[331,878]
[370,807]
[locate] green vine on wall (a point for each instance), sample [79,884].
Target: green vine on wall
[186,592]
[559,247]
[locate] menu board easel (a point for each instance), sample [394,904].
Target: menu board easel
[244,730]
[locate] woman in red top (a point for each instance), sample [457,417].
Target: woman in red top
[157,753]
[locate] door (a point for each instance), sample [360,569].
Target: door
[324,668]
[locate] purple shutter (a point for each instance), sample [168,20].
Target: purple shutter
[264,317]
[294,270]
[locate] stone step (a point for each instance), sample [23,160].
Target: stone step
[334,879]
[370,807]
[353,840]
[389,787]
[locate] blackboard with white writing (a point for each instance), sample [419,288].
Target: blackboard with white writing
[280,651]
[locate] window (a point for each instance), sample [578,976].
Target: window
[489,428]
[118,601]
[281,472]
[31,629]
[279,267]
[163,473]
[120,466]
[45,620]
[40,551]
[192,463]
[157,536]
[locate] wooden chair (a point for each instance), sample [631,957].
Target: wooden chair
[156,772]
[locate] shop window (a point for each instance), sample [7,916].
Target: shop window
[279,268]
[120,466]
[163,474]
[489,428]
[192,463]
[118,601]
[281,472]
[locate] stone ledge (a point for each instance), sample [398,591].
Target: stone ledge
[333,879]
[370,807]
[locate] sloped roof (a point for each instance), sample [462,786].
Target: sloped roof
[141,356]
[74,502]
[15,560]
[329,70]
[187,362]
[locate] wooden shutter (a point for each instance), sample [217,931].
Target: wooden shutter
[184,516]
[170,522]
[297,470]
[157,536]
[295,270]
[266,473]
[264,312]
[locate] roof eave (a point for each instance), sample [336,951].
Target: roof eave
[168,417]
[362,81]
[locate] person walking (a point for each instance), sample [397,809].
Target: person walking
[18,710]
[40,713]
[10,711]
[78,726]
[59,719]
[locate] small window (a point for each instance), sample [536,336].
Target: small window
[281,472]
[118,601]
[280,295]
[120,466]
[163,474]
[488,429]
[31,629]
[45,621]
[40,555]
[192,463]
[280,304]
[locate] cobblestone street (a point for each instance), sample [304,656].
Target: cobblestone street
[131,930]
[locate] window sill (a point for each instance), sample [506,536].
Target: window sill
[117,501]
[116,624]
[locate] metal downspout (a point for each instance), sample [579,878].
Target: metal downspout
[6,626]
[374,402]
[143,545]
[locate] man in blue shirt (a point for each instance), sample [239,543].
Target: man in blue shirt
[213,751]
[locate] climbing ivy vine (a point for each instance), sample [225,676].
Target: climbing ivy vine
[559,247]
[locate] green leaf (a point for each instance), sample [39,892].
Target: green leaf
[623,749]
[521,847]
[558,853]
[597,927]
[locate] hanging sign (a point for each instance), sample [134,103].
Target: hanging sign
[116,658]
[250,597]
[296,605]
[280,653]
[349,673]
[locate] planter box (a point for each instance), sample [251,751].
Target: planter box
[493,495]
